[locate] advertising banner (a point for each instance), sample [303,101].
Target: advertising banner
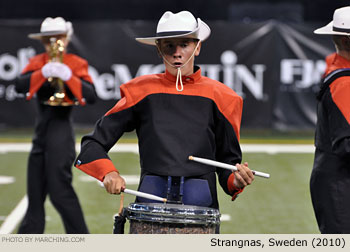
[275,67]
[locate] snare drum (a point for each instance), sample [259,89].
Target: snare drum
[160,218]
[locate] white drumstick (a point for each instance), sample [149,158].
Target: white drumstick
[224,166]
[144,195]
[139,194]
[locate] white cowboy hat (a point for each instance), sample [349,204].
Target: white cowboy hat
[178,25]
[53,26]
[340,24]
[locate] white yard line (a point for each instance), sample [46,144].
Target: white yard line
[277,148]
[7,180]
[126,147]
[15,217]
[26,147]
[129,179]
[15,147]
[225,217]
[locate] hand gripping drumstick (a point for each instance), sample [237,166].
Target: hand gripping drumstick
[224,166]
[140,194]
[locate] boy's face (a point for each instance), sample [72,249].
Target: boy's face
[177,51]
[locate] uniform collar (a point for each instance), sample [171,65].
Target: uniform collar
[336,61]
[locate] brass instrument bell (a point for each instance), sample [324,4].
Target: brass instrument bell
[59,97]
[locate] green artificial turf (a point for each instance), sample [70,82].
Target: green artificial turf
[280,204]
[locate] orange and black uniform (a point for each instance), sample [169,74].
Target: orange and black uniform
[330,178]
[53,151]
[203,120]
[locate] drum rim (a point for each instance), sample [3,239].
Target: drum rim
[160,212]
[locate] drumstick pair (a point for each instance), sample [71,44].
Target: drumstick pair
[196,159]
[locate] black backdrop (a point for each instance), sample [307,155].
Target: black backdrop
[274,66]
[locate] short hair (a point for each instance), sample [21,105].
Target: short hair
[342,42]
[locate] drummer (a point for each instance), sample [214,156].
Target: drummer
[175,114]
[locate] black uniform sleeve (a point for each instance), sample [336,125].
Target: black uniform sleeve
[93,158]
[22,83]
[339,128]
[228,149]
[89,91]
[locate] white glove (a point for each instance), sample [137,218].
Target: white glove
[56,69]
